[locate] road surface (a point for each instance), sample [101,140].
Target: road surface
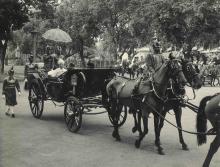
[29,142]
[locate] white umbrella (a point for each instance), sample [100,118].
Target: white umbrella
[57,35]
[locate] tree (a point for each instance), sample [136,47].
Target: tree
[186,23]
[76,18]
[13,14]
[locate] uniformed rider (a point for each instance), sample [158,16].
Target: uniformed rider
[155,60]
[30,68]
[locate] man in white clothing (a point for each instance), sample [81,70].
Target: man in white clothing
[59,71]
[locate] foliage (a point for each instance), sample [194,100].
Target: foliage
[13,14]
[121,25]
[187,23]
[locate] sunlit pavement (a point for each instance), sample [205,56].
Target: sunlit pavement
[29,142]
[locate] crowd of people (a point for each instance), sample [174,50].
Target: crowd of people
[207,67]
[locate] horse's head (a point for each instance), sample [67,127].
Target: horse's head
[176,72]
[191,74]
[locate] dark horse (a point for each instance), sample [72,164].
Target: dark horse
[209,111]
[145,96]
[174,94]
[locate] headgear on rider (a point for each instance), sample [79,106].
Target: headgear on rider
[156,45]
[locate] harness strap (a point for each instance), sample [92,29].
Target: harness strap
[156,94]
[190,132]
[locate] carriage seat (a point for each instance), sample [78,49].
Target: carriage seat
[55,79]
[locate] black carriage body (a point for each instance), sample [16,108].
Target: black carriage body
[90,83]
[79,90]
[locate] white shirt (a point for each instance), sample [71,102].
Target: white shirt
[57,72]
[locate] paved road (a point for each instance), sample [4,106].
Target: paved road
[28,142]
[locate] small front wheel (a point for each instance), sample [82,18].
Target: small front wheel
[73,114]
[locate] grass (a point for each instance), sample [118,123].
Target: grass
[19,73]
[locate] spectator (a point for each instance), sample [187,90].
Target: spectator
[10,85]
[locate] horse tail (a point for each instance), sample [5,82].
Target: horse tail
[201,121]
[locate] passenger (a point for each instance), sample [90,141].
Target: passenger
[90,64]
[59,71]
[30,68]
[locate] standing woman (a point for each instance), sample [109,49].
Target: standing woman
[10,85]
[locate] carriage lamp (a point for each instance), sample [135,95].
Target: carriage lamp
[74,80]
[74,83]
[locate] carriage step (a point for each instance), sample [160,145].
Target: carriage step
[92,105]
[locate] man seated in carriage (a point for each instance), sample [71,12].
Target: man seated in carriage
[90,64]
[58,71]
[30,68]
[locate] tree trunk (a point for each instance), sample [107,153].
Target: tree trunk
[80,44]
[3,53]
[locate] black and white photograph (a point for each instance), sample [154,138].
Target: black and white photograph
[109,83]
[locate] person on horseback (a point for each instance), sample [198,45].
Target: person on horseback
[153,60]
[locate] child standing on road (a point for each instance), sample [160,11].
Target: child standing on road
[9,92]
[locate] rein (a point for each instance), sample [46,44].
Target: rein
[177,127]
[163,99]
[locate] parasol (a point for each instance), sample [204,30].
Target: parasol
[57,35]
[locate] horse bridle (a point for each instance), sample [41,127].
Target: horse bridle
[190,77]
[174,70]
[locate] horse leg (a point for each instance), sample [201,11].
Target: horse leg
[135,128]
[218,80]
[115,133]
[114,115]
[157,134]
[178,114]
[139,123]
[142,135]
[162,120]
[213,148]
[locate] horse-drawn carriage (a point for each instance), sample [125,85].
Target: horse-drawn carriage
[78,89]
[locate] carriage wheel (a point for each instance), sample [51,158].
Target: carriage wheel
[73,114]
[36,100]
[122,116]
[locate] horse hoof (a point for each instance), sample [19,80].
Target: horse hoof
[160,152]
[118,138]
[185,148]
[158,144]
[134,129]
[114,134]
[137,144]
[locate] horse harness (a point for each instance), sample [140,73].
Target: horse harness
[141,97]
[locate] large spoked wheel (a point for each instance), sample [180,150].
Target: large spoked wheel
[36,100]
[73,114]
[121,118]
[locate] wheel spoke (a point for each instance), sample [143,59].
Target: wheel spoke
[73,121]
[77,121]
[34,109]
[37,108]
